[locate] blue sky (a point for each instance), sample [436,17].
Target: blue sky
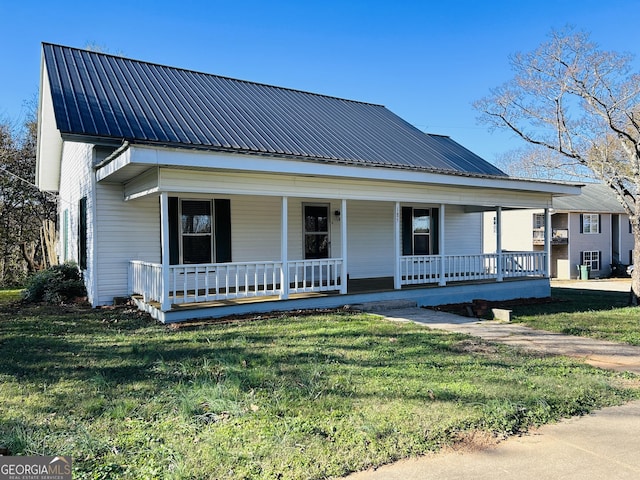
[426,61]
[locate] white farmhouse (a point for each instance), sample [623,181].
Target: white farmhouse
[203,196]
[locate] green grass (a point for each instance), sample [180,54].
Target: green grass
[588,313]
[9,295]
[290,397]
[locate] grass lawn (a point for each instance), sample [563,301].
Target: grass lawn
[9,295]
[289,397]
[588,313]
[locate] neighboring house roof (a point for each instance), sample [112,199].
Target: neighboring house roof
[109,97]
[594,198]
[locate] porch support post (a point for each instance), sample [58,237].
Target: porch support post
[397,274]
[499,242]
[547,241]
[165,305]
[284,253]
[343,242]
[441,246]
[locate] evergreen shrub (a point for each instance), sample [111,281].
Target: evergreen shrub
[57,284]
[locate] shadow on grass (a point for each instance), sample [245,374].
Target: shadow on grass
[571,300]
[108,349]
[123,394]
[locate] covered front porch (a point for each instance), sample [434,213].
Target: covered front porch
[464,286]
[173,290]
[259,234]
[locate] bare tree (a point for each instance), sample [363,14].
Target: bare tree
[533,161]
[26,214]
[572,98]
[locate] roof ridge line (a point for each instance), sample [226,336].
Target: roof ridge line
[198,72]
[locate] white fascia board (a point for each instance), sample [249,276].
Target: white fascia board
[49,146]
[189,159]
[114,165]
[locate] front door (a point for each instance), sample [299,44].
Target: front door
[316,231]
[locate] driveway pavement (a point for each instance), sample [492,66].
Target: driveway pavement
[603,445]
[607,285]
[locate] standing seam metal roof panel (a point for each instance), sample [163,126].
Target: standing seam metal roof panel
[593,198]
[101,95]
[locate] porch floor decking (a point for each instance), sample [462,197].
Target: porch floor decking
[372,289]
[368,285]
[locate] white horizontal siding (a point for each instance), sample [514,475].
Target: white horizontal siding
[255,228]
[337,188]
[183,158]
[370,239]
[131,230]
[75,183]
[463,231]
[126,231]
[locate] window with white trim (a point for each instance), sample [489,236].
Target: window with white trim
[199,231]
[316,231]
[538,220]
[590,223]
[591,258]
[419,231]
[196,231]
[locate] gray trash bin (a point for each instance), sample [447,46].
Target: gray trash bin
[584,272]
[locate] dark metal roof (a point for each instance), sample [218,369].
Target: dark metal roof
[593,198]
[110,97]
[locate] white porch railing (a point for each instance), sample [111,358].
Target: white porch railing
[424,269]
[524,264]
[224,281]
[145,279]
[320,275]
[417,269]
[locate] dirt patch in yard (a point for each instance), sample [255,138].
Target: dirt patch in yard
[257,316]
[480,308]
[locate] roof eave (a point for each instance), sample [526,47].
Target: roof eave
[49,142]
[324,167]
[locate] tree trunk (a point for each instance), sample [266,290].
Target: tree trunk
[635,276]
[48,241]
[29,255]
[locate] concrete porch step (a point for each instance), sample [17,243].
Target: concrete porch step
[384,305]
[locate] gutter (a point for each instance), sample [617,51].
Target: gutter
[115,154]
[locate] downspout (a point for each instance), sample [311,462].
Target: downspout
[115,154]
[548,234]
[499,260]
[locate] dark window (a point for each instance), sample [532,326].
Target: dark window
[591,258]
[419,231]
[82,233]
[316,231]
[199,231]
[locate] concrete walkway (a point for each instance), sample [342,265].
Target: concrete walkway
[600,353]
[603,445]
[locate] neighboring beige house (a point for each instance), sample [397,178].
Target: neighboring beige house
[590,229]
